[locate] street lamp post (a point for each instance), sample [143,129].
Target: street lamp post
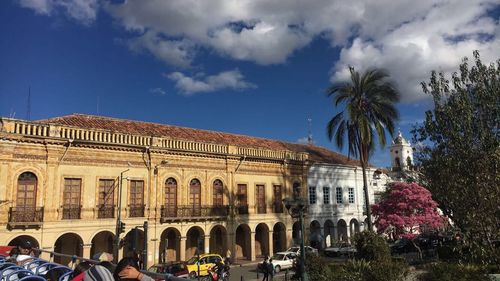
[297,206]
[118,218]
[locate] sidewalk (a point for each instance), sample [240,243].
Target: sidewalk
[241,263]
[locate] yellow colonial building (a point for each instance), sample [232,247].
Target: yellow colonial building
[65,181]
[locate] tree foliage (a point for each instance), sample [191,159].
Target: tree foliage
[369,110]
[460,152]
[406,210]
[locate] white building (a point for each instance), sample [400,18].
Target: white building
[335,195]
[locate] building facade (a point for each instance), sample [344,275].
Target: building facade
[336,197]
[65,181]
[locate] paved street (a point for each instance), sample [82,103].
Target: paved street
[249,273]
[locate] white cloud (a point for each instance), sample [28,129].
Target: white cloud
[176,52]
[409,38]
[158,91]
[232,80]
[84,11]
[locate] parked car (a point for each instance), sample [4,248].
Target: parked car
[205,262]
[309,249]
[178,269]
[281,260]
[403,246]
[340,249]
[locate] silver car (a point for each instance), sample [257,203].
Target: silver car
[309,249]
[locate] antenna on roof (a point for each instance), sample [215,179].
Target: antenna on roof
[28,109]
[12,113]
[309,135]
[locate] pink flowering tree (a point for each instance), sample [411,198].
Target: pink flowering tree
[406,210]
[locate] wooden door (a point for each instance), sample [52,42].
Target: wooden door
[260,198]
[72,198]
[171,197]
[195,197]
[242,199]
[277,193]
[26,191]
[218,196]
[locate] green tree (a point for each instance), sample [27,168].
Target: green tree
[459,153]
[368,111]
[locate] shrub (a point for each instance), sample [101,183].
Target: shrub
[454,272]
[386,270]
[316,267]
[371,246]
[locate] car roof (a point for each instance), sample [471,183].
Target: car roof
[284,253]
[209,255]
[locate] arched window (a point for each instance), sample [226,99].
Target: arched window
[408,161]
[171,197]
[195,196]
[218,193]
[398,163]
[26,190]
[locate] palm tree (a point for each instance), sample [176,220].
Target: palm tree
[368,108]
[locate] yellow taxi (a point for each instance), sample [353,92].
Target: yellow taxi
[205,262]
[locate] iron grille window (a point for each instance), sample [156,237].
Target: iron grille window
[351,195]
[338,195]
[326,195]
[312,195]
[106,198]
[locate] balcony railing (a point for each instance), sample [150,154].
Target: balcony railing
[278,207]
[25,217]
[105,211]
[242,210]
[190,212]
[136,211]
[72,212]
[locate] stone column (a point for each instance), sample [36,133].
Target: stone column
[335,234]
[152,253]
[207,243]
[252,245]
[348,231]
[183,248]
[86,251]
[289,237]
[271,246]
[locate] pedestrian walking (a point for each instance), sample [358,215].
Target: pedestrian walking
[264,270]
[270,269]
[228,257]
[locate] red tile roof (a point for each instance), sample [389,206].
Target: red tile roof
[317,154]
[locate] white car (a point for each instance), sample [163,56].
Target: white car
[281,261]
[340,249]
[309,249]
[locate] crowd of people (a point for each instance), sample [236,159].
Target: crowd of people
[127,269]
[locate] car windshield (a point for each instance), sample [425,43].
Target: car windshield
[192,260]
[278,257]
[153,269]
[293,249]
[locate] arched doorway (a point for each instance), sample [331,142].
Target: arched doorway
[342,230]
[102,242]
[218,240]
[195,197]
[19,240]
[329,230]
[353,227]
[243,242]
[68,244]
[262,240]
[195,240]
[315,239]
[296,233]
[133,243]
[170,245]
[279,237]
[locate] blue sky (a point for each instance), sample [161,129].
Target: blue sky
[257,68]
